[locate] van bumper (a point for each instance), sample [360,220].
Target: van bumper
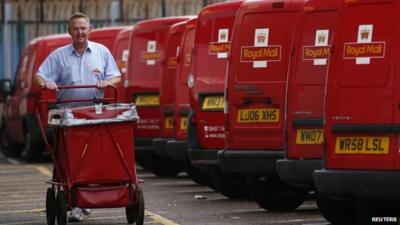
[160,146]
[249,161]
[298,172]
[143,146]
[356,183]
[178,150]
[205,159]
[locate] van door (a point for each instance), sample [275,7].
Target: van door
[306,85]
[258,81]
[361,88]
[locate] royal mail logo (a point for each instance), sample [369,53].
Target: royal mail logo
[268,53]
[153,56]
[217,47]
[370,50]
[316,52]
[188,59]
[364,49]
[321,38]
[172,62]
[223,35]
[261,38]
[365,34]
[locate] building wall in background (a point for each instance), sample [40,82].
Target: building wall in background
[24,20]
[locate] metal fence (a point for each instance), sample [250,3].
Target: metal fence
[24,20]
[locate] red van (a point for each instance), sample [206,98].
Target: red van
[121,52]
[168,91]
[146,65]
[255,99]
[207,82]
[19,130]
[105,36]
[305,91]
[362,157]
[178,148]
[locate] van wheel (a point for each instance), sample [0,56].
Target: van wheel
[162,166]
[8,148]
[32,150]
[232,185]
[197,175]
[336,211]
[271,193]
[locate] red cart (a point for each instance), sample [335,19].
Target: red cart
[93,155]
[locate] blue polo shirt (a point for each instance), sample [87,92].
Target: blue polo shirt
[65,66]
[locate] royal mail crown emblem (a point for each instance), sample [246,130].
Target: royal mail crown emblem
[364,34]
[223,36]
[321,38]
[261,38]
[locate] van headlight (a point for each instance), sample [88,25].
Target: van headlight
[190,80]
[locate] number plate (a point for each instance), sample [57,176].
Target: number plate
[309,136]
[169,122]
[266,115]
[184,123]
[213,103]
[362,145]
[147,100]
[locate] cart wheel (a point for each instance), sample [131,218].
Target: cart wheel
[135,212]
[61,208]
[50,206]
[273,194]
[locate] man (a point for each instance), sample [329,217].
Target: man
[81,62]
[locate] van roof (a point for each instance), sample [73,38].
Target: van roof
[220,7]
[50,38]
[105,32]
[262,5]
[157,23]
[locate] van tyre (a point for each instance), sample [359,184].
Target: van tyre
[51,206]
[336,211]
[232,185]
[61,208]
[8,148]
[32,149]
[162,166]
[135,212]
[272,194]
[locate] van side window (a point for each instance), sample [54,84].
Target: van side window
[22,72]
[31,70]
[367,34]
[315,47]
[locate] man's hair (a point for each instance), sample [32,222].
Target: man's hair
[78,15]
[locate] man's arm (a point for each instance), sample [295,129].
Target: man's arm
[113,81]
[43,83]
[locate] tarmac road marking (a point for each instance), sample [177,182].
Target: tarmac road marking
[159,219]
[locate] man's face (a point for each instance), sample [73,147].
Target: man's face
[79,30]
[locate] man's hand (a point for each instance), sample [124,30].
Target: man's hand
[50,85]
[103,83]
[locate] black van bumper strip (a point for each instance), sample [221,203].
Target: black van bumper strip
[143,146]
[298,172]
[372,128]
[249,161]
[347,184]
[308,122]
[168,112]
[160,146]
[178,150]
[205,159]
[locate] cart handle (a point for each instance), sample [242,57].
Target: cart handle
[95,100]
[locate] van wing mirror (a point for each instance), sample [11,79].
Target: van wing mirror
[5,88]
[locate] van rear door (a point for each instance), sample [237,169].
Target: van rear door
[360,93]
[257,83]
